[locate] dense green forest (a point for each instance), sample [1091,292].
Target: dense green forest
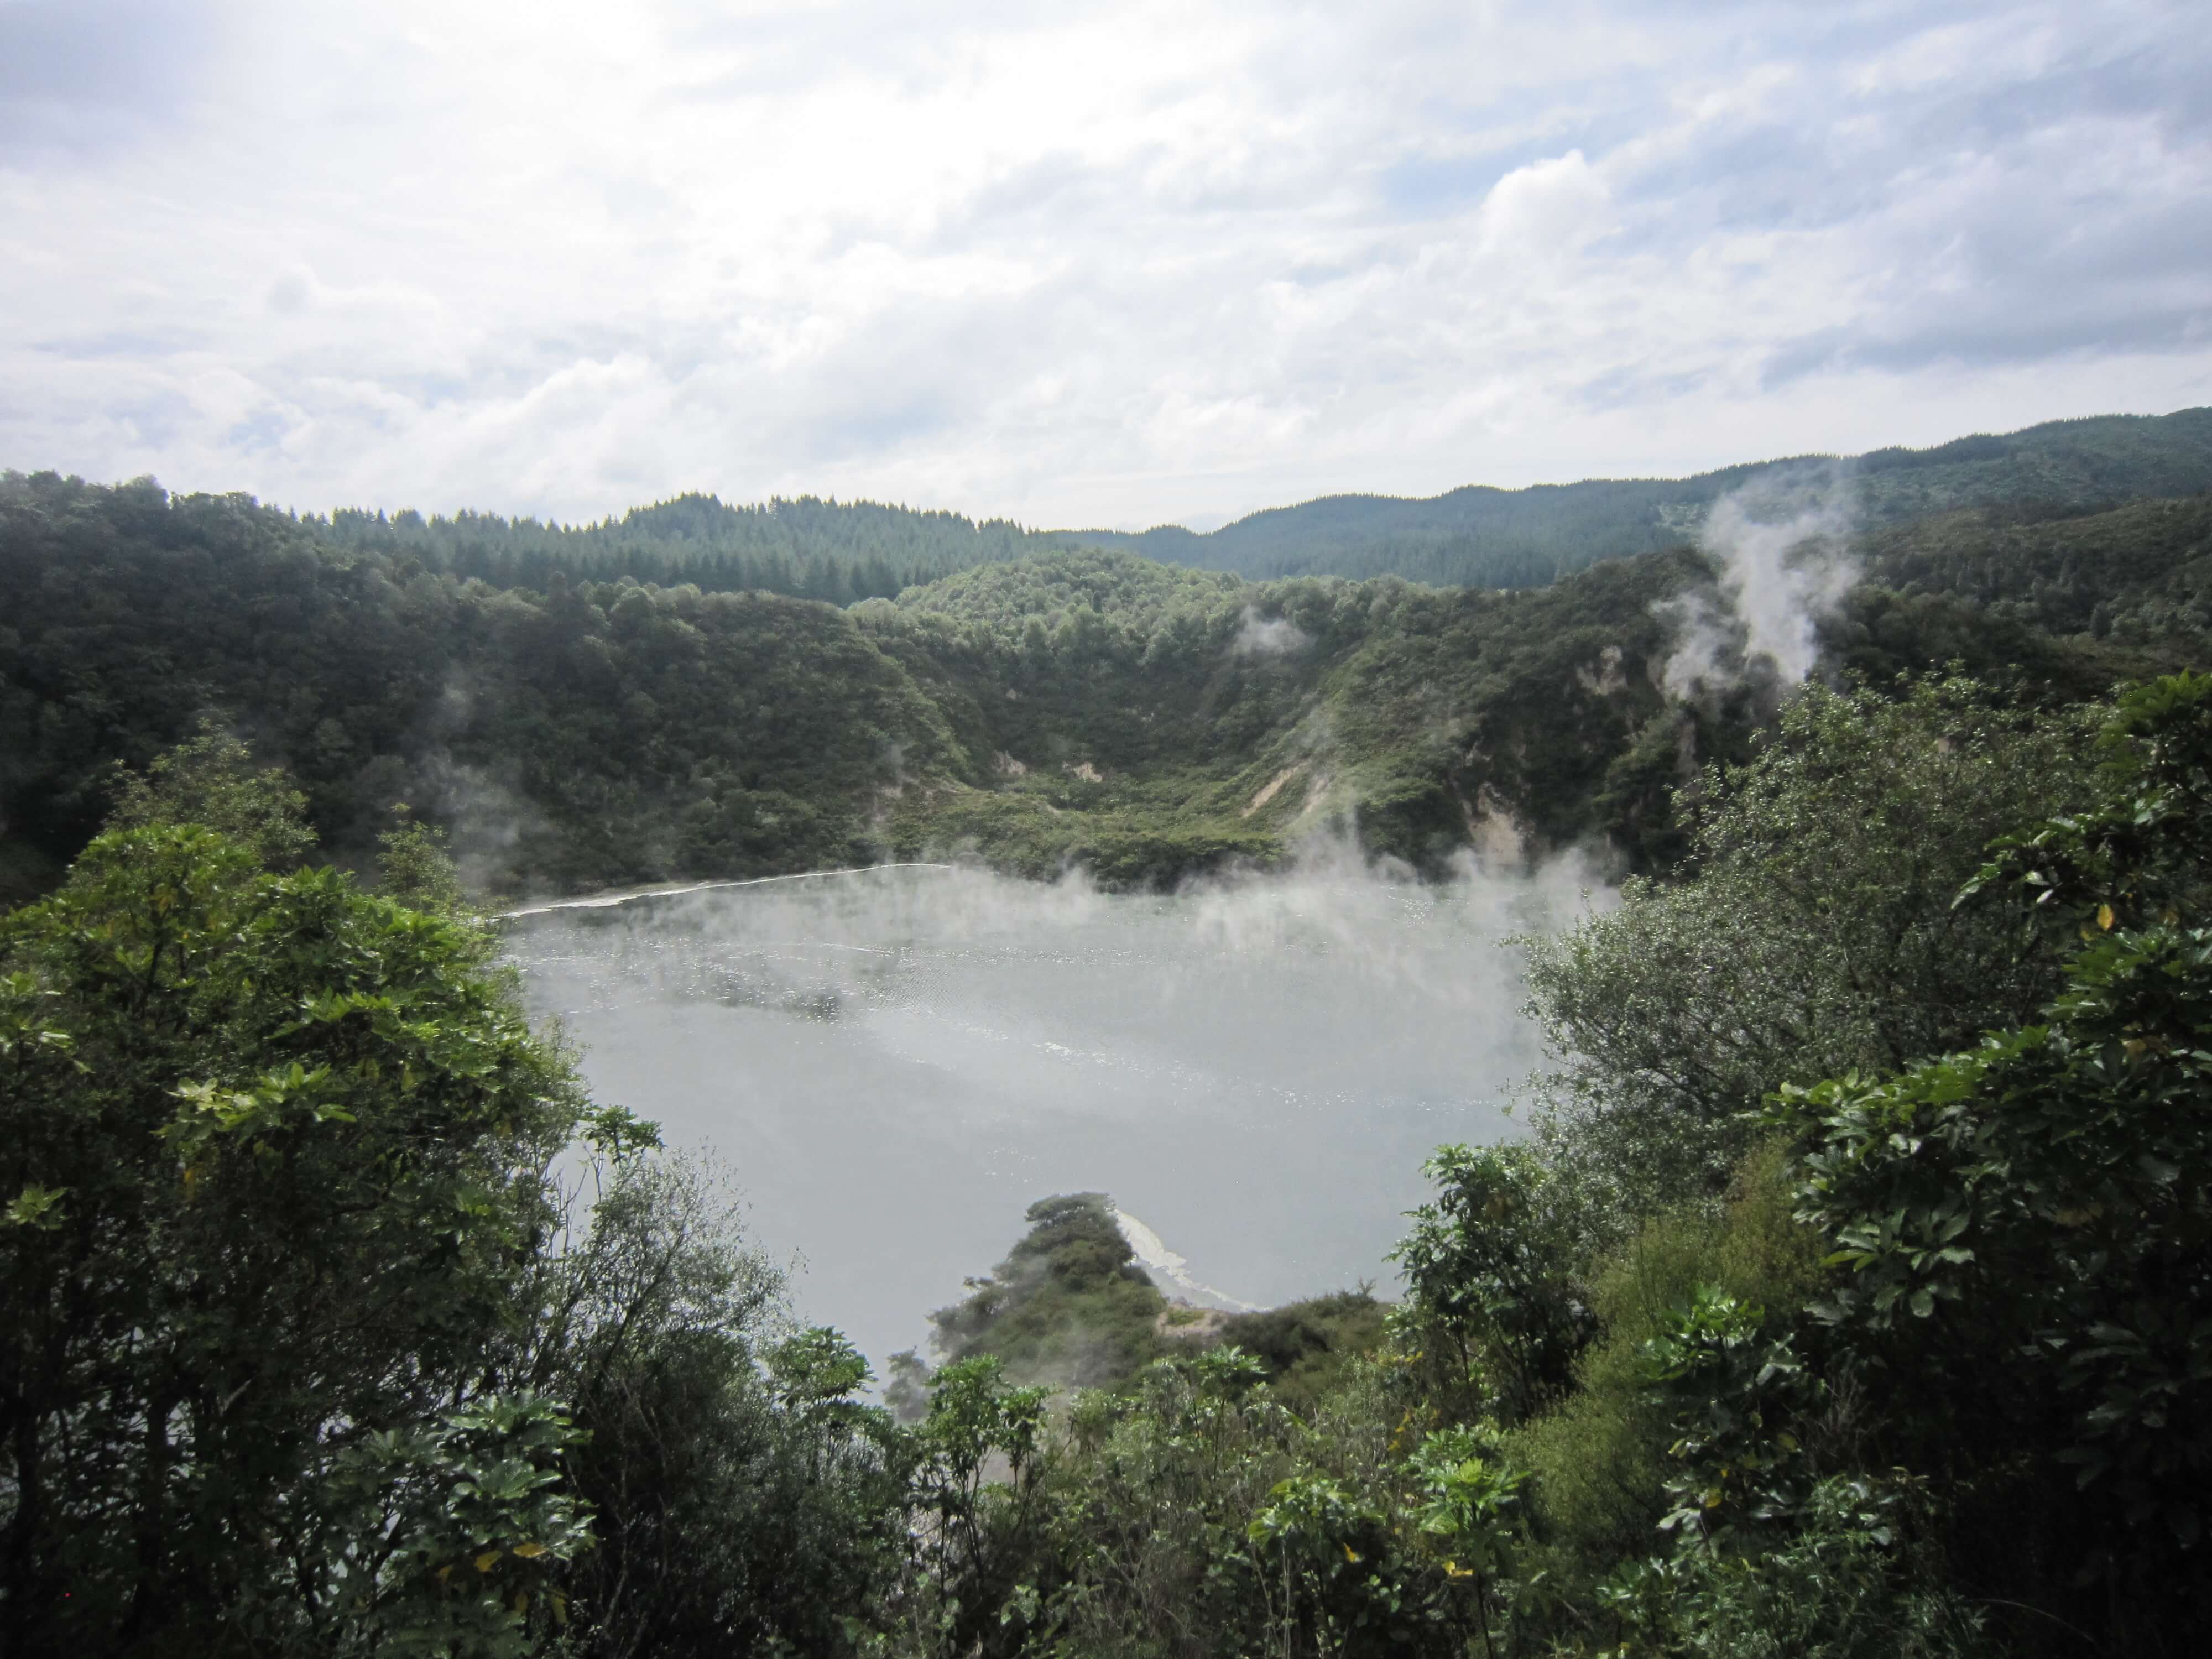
[809,548]
[1850,1296]
[1059,708]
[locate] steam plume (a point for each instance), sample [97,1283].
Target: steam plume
[1267,636]
[1780,540]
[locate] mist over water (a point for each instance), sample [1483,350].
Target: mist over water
[896,1062]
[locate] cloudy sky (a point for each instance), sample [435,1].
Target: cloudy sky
[1077,264]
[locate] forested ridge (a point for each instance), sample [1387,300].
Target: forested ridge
[1072,706]
[1477,535]
[809,548]
[1485,537]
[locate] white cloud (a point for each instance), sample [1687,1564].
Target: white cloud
[1089,264]
[1546,207]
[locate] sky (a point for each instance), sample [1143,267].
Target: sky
[1083,266]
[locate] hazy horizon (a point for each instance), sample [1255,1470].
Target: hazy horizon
[1197,524]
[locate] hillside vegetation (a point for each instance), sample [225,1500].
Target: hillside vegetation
[1071,706]
[2141,573]
[808,548]
[1848,1301]
[1477,535]
[1846,1297]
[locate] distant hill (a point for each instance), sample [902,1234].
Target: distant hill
[2141,573]
[1475,537]
[1481,537]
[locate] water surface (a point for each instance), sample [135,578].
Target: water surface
[895,1063]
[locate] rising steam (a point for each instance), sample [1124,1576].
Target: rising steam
[897,1061]
[1781,541]
[1267,636]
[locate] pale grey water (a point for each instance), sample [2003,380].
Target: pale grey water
[895,1063]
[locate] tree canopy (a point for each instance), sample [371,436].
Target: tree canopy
[1849,1298]
[581,709]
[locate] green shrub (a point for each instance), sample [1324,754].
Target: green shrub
[1855,1581]
[1599,1459]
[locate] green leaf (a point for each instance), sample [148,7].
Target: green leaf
[35,1206]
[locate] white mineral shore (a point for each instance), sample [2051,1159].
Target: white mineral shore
[1163,1263]
[607,901]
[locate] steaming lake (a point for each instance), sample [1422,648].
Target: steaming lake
[894,1063]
